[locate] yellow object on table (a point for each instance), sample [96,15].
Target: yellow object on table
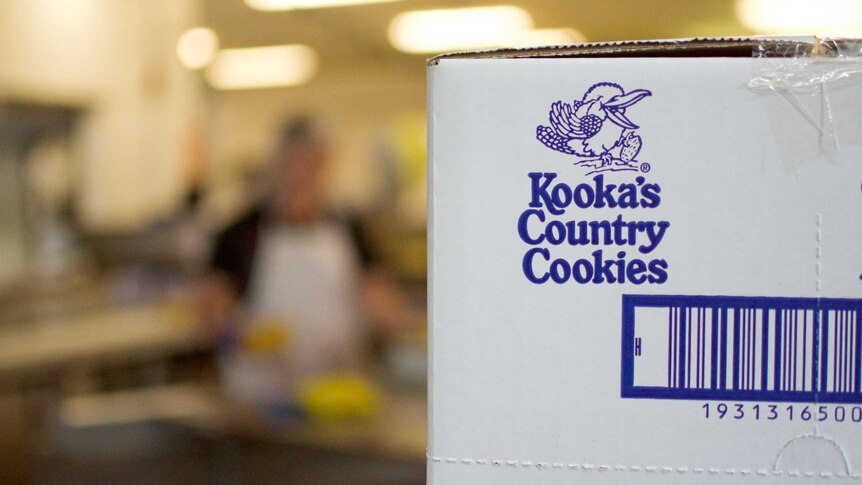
[337,397]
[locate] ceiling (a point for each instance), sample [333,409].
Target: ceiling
[352,39]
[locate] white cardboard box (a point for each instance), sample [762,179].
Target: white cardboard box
[721,199]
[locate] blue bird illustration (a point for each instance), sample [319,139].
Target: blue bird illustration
[595,125]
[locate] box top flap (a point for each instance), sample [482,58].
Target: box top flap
[695,47]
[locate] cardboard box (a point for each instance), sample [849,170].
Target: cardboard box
[645,263]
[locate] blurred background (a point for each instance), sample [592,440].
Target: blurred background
[212,224]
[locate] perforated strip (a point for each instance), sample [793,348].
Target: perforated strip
[680,470]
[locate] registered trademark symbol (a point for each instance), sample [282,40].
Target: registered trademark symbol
[645,167]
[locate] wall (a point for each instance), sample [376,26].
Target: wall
[115,61]
[361,109]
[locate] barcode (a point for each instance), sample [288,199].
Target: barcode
[742,348]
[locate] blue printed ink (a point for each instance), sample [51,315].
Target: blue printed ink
[742,348]
[597,129]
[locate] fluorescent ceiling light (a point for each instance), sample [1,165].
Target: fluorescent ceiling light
[545,37]
[835,18]
[262,67]
[197,47]
[274,5]
[429,31]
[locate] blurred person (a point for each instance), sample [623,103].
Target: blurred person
[298,272]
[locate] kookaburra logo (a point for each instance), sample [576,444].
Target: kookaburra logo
[596,129]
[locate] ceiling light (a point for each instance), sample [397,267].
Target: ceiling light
[262,67]
[274,5]
[831,18]
[430,31]
[545,37]
[197,47]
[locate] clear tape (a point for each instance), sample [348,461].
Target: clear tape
[796,69]
[804,67]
